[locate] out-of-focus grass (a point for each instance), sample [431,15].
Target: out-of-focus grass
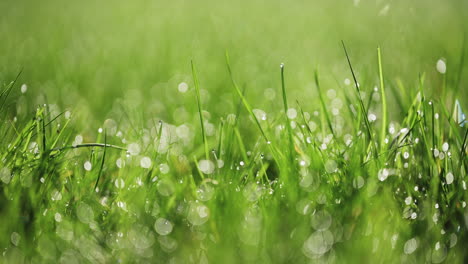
[104,158]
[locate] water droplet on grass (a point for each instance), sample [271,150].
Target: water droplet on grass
[182,87]
[321,220]
[206,166]
[252,191]
[449,178]
[410,246]
[67,115]
[56,195]
[384,173]
[198,214]
[441,66]
[145,162]
[164,168]
[371,117]
[358,182]
[133,149]
[120,163]
[141,236]
[453,240]
[304,206]
[24,88]
[163,226]
[58,217]
[318,243]
[445,147]
[84,213]
[5,175]
[119,183]
[291,113]
[15,238]
[406,155]
[87,165]
[439,253]
[167,243]
[408,200]
[331,166]
[165,187]
[260,114]
[205,192]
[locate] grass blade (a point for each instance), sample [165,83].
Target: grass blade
[383,128]
[244,101]
[197,92]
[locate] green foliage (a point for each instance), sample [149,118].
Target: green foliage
[116,148]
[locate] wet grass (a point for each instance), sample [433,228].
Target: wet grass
[233,159]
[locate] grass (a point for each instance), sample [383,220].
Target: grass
[118,148]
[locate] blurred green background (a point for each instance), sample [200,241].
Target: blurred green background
[86,54]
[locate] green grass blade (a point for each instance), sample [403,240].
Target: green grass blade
[197,92]
[244,101]
[383,128]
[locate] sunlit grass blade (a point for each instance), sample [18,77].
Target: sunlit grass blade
[197,92]
[244,101]
[361,103]
[286,108]
[383,128]
[324,112]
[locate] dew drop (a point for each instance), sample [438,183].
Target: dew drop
[206,166]
[182,87]
[163,226]
[449,178]
[441,66]
[5,175]
[119,183]
[15,238]
[87,165]
[321,220]
[84,213]
[24,88]
[145,162]
[445,147]
[133,149]
[410,246]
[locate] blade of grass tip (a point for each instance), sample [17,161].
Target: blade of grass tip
[423,98]
[285,104]
[197,92]
[102,162]
[322,102]
[384,101]
[244,101]
[363,108]
[7,91]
